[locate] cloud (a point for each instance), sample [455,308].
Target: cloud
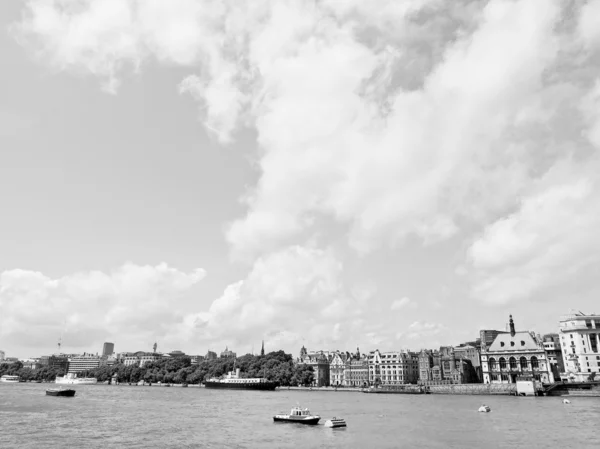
[289,296]
[402,303]
[131,305]
[468,120]
[422,332]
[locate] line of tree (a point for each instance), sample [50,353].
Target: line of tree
[43,374]
[275,366]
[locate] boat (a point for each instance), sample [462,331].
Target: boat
[72,379]
[60,392]
[298,415]
[335,422]
[10,379]
[234,381]
[484,409]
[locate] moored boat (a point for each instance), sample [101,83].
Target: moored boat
[60,392]
[72,379]
[234,381]
[335,422]
[298,415]
[10,379]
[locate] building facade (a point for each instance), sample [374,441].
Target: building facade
[393,368]
[515,356]
[337,367]
[356,372]
[228,354]
[2,356]
[108,349]
[320,364]
[554,353]
[580,346]
[83,363]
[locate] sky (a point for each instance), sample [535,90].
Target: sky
[323,173]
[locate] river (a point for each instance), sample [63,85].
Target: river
[102,416]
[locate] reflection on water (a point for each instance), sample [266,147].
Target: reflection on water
[101,416]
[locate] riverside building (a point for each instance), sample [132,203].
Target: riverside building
[84,362]
[580,345]
[515,356]
[393,368]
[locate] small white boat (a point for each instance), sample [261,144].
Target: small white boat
[484,409]
[566,401]
[72,379]
[335,422]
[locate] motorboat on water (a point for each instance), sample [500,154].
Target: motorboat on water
[335,422]
[10,379]
[66,392]
[484,409]
[298,415]
[72,379]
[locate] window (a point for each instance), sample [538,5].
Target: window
[502,363]
[512,343]
[492,363]
[534,362]
[513,363]
[522,343]
[502,343]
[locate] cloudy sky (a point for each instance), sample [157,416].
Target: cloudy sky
[329,173]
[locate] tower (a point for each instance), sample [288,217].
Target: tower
[511,323]
[154,347]
[108,349]
[262,349]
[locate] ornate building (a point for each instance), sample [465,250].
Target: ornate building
[580,345]
[337,366]
[446,366]
[515,356]
[228,354]
[356,372]
[320,364]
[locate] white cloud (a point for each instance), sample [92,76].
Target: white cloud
[291,296]
[469,120]
[402,303]
[131,305]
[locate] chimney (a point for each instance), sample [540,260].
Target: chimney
[512,326]
[237,372]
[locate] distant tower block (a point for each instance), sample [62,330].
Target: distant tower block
[262,350]
[154,347]
[108,349]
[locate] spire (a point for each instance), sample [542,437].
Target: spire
[262,349]
[511,323]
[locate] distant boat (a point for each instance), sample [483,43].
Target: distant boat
[234,381]
[60,392]
[299,416]
[72,379]
[10,379]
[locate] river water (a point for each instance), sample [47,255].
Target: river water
[102,416]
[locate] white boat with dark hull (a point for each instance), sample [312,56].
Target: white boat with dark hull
[10,379]
[299,416]
[72,379]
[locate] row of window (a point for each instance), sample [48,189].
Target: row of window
[513,362]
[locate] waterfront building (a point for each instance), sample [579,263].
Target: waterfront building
[2,356]
[580,346]
[33,363]
[515,356]
[196,359]
[425,365]
[472,353]
[139,358]
[227,354]
[554,353]
[446,366]
[210,355]
[83,362]
[356,372]
[337,366]
[320,364]
[108,349]
[58,362]
[393,368]
[148,357]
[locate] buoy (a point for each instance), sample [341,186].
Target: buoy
[484,409]
[566,401]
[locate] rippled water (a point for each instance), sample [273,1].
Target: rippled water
[102,416]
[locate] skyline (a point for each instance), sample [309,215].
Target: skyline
[321,174]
